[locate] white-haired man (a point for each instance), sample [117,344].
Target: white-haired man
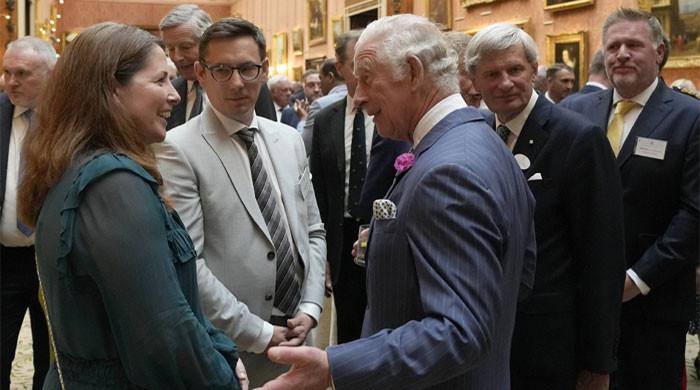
[447,246]
[566,330]
[27,65]
[281,90]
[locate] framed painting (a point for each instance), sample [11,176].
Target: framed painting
[681,24]
[336,27]
[314,63]
[440,13]
[297,72]
[317,10]
[561,5]
[298,41]
[569,49]
[395,7]
[279,53]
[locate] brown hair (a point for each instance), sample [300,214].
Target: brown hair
[79,114]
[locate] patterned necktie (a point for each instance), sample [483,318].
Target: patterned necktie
[617,125]
[503,132]
[289,271]
[30,117]
[197,106]
[358,164]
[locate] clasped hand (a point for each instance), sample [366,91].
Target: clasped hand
[295,333]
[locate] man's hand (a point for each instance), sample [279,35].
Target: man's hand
[329,280]
[310,369]
[301,107]
[279,335]
[242,375]
[587,380]
[631,290]
[298,328]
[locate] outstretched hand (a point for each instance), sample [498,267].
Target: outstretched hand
[310,369]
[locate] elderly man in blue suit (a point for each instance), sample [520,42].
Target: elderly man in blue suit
[654,133]
[448,244]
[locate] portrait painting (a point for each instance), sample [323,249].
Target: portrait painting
[314,63]
[316,10]
[440,12]
[561,5]
[297,72]
[298,41]
[681,23]
[569,49]
[279,53]
[336,27]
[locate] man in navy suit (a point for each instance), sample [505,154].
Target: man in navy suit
[597,79]
[565,331]
[297,108]
[447,247]
[656,143]
[27,65]
[181,30]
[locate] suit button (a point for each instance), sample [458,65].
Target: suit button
[268,297]
[270,255]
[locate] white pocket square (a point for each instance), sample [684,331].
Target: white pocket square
[383,209]
[536,176]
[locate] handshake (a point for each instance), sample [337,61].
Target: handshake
[295,333]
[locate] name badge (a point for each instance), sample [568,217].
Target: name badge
[650,147]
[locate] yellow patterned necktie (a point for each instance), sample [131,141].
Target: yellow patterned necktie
[617,126]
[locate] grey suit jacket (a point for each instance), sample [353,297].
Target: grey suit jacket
[208,181]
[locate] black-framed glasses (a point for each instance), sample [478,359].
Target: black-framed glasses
[222,72]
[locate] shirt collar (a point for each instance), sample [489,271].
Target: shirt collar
[642,98]
[19,110]
[516,124]
[437,113]
[232,126]
[597,84]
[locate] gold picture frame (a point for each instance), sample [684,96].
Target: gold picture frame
[297,72]
[469,3]
[336,27]
[318,30]
[523,24]
[440,13]
[298,41]
[279,53]
[562,5]
[570,49]
[680,24]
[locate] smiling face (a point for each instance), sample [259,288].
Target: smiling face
[24,73]
[631,57]
[235,97]
[504,79]
[148,97]
[183,48]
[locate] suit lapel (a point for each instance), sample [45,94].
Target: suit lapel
[533,135]
[6,110]
[234,163]
[337,137]
[657,108]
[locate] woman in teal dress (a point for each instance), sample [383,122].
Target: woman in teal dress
[116,264]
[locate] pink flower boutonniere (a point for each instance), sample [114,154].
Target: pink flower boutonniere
[404,162]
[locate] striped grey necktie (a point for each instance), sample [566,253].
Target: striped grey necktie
[289,271]
[503,132]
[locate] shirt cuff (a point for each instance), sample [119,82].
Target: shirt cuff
[263,340]
[643,287]
[312,309]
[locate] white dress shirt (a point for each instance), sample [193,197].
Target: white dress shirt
[516,124]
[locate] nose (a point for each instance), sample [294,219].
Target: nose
[360,97]
[505,82]
[236,80]
[173,96]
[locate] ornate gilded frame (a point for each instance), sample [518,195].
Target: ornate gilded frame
[556,44]
[439,12]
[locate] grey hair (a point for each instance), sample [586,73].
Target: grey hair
[400,36]
[598,63]
[276,79]
[498,37]
[44,49]
[656,32]
[187,13]
[458,40]
[342,43]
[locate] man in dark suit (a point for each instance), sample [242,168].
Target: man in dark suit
[27,64]
[181,30]
[656,143]
[447,247]
[597,79]
[342,136]
[298,108]
[565,331]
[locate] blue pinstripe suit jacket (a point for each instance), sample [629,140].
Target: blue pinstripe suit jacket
[443,276]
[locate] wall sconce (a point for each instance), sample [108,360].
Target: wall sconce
[10,5]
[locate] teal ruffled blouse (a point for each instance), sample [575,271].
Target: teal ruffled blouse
[119,276]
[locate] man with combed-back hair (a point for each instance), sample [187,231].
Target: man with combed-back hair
[27,65]
[566,330]
[447,247]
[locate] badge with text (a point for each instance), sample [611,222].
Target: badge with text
[650,147]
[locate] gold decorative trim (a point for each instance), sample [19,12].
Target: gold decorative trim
[683,62]
[566,5]
[523,24]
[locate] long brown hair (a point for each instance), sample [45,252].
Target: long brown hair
[78,112]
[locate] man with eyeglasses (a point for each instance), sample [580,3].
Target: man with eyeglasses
[181,30]
[241,185]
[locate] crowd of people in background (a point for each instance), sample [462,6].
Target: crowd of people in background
[178,221]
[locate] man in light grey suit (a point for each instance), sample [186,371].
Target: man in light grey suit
[241,184]
[451,244]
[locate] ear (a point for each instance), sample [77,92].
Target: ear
[265,67]
[660,50]
[200,72]
[416,71]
